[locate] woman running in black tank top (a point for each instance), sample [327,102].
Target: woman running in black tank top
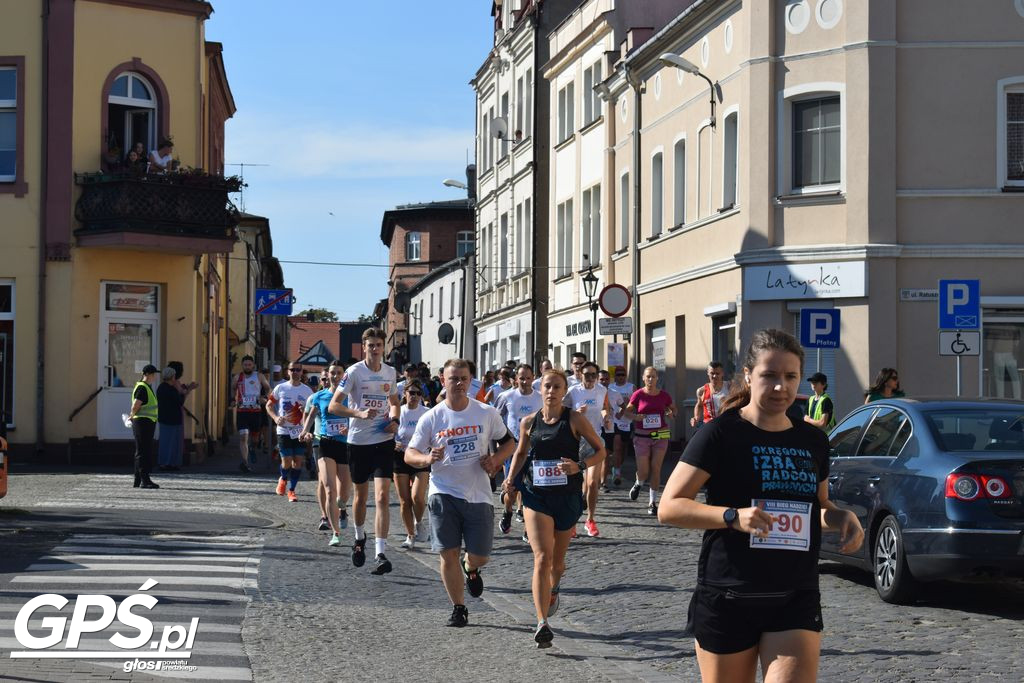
[546,471]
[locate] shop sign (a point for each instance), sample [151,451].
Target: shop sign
[576,329]
[834,280]
[131,298]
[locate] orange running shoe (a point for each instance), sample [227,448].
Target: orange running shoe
[591,527]
[292,498]
[281,483]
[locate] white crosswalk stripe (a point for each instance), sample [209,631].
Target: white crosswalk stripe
[211,587]
[178,492]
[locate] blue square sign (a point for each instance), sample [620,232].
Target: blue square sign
[819,328]
[959,304]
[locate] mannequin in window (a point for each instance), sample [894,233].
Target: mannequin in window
[160,160]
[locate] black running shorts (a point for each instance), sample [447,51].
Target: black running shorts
[725,621]
[371,461]
[335,449]
[248,421]
[402,468]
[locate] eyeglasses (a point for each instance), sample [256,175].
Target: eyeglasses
[590,375]
[415,393]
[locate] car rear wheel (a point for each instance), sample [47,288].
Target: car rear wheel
[893,579]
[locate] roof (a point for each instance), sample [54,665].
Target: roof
[451,209]
[306,337]
[438,272]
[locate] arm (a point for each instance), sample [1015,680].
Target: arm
[629,412]
[695,420]
[519,457]
[419,453]
[678,507]
[271,410]
[307,424]
[818,423]
[582,427]
[338,407]
[851,534]
[493,463]
[135,408]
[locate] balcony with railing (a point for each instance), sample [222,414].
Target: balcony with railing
[187,212]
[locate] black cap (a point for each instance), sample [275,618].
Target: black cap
[818,377]
[150,369]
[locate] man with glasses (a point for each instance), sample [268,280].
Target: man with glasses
[286,407]
[453,438]
[515,404]
[623,428]
[590,399]
[373,404]
[578,359]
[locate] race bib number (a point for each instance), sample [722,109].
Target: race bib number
[791,528]
[652,421]
[336,428]
[293,431]
[461,448]
[377,401]
[548,473]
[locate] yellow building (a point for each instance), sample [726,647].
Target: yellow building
[105,268]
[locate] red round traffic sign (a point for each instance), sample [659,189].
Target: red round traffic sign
[614,300]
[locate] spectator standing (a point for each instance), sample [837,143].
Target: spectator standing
[170,400]
[820,410]
[887,385]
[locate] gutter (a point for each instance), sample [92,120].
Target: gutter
[41,297]
[634,82]
[534,286]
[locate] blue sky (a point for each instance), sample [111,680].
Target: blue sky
[356,107]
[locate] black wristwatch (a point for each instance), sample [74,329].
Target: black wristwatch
[730,516]
[396,421]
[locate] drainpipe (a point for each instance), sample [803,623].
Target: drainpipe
[536,351]
[634,352]
[41,310]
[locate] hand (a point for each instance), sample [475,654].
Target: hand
[391,428]
[570,466]
[437,454]
[490,467]
[508,487]
[193,385]
[369,414]
[305,437]
[753,521]
[693,422]
[582,410]
[279,421]
[851,533]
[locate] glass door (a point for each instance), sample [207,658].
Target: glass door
[1002,356]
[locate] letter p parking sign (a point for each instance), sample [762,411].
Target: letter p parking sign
[819,328]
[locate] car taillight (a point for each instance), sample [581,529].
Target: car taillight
[972,487]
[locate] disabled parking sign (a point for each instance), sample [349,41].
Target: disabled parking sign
[959,304]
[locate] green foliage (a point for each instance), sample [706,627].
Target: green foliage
[319,315]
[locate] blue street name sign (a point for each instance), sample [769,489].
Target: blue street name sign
[819,328]
[274,302]
[959,304]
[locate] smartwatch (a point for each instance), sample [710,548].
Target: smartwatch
[729,517]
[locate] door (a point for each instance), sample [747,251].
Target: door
[138,127]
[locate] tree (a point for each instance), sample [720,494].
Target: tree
[319,315]
[363,318]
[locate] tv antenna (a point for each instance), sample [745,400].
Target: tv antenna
[241,175]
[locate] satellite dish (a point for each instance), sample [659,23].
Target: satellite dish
[402,300]
[445,333]
[499,128]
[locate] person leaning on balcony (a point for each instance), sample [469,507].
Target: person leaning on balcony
[143,417]
[160,160]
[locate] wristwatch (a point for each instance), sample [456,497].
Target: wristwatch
[396,421]
[730,516]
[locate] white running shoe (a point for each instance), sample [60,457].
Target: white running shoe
[422,533]
[408,543]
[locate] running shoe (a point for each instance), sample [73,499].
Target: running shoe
[526,539]
[607,488]
[281,484]
[459,617]
[422,535]
[335,540]
[591,527]
[506,522]
[519,516]
[359,552]
[543,636]
[383,566]
[474,582]
[409,543]
[634,492]
[324,525]
[245,468]
[292,498]
[618,480]
[340,503]
[343,519]
[652,509]
[556,600]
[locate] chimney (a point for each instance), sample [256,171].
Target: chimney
[471,182]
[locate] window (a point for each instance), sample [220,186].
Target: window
[513,347]
[723,330]
[657,178]
[591,100]
[7,351]
[847,434]
[412,246]
[520,255]
[440,302]
[12,126]
[485,141]
[431,305]
[504,116]
[563,216]
[679,183]
[131,116]
[624,211]
[519,106]
[566,112]
[464,243]
[816,142]
[503,248]
[1013,104]
[590,227]
[491,140]
[730,152]
[656,346]
[527,234]
[528,108]
[451,304]
[880,436]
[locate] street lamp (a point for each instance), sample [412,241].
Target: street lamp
[458,184]
[590,289]
[689,67]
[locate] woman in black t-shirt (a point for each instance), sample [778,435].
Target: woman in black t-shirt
[767,503]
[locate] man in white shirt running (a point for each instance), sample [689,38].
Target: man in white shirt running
[286,408]
[373,405]
[545,365]
[454,438]
[591,400]
[623,428]
[251,392]
[515,404]
[578,359]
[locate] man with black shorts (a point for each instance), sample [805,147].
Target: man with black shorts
[454,438]
[372,394]
[623,428]
[251,391]
[286,408]
[334,481]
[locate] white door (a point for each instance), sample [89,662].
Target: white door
[129,338]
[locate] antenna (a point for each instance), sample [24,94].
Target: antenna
[241,190]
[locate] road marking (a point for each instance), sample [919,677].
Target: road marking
[72,566]
[164,580]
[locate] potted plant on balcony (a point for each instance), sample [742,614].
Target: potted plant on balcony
[112,157]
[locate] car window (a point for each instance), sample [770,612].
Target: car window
[880,434]
[902,436]
[977,429]
[845,436]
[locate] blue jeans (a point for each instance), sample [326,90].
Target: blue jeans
[171,442]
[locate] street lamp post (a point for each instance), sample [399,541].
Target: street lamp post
[590,289]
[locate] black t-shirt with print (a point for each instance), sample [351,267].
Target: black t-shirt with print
[748,463]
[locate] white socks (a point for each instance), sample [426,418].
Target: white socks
[360,534]
[380,544]
[653,496]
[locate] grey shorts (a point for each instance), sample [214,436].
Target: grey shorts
[453,521]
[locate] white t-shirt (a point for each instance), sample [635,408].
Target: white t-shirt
[289,402]
[573,381]
[466,435]
[368,389]
[519,405]
[595,400]
[626,391]
[407,427]
[247,392]
[615,401]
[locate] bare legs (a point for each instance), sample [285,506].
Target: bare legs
[549,547]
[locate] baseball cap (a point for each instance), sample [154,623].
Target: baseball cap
[818,377]
[150,369]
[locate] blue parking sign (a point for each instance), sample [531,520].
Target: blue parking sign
[959,305]
[819,328]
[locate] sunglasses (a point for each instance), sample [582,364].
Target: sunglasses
[590,375]
[415,393]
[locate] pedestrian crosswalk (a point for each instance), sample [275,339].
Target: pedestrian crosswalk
[191,577]
[178,492]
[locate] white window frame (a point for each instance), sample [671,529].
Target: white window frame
[624,210]
[731,168]
[563,239]
[440,302]
[566,112]
[520,264]
[11,107]
[504,99]
[590,227]
[657,192]
[412,246]
[591,100]
[784,135]
[527,235]
[465,245]
[679,180]
[14,345]
[451,306]
[1014,84]
[503,250]
[431,306]
[528,109]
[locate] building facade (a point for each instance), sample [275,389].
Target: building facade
[854,154]
[441,314]
[106,268]
[252,266]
